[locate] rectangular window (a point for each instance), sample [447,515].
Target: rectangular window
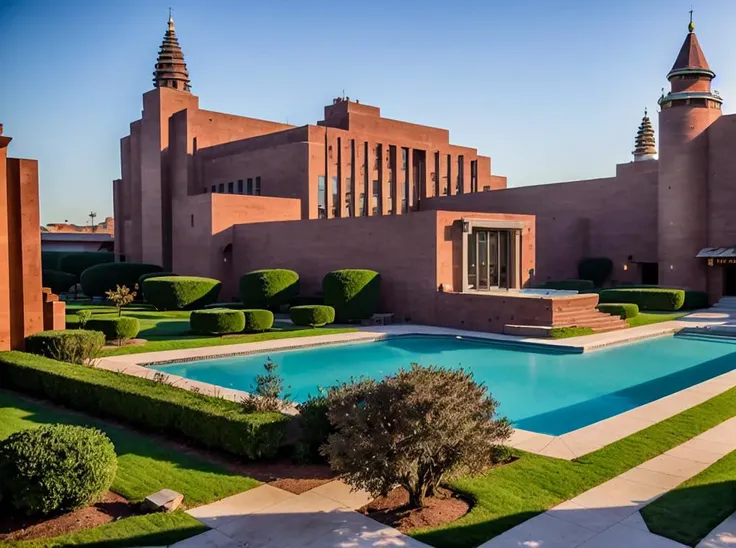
[349,196]
[321,198]
[230,187]
[378,157]
[258,186]
[376,197]
[460,174]
[404,158]
[221,188]
[249,186]
[489,259]
[436,175]
[474,175]
[214,189]
[335,198]
[448,179]
[406,195]
[240,186]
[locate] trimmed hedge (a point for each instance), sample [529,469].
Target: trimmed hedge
[622,310]
[353,293]
[646,298]
[567,332]
[596,269]
[218,321]
[571,285]
[695,300]
[151,275]
[50,259]
[67,345]
[269,288]
[313,315]
[76,263]
[181,292]
[57,281]
[56,468]
[210,422]
[115,329]
[103,277]
[257,321]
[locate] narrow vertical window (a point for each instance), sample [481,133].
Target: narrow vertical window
[448,178]
[258,186]
[460,174]
[221,188]
[249,186]
[240,186]
[214,189]
[474,175]
[335,198]
[406,195]
[376,196]
[230,187]
[321,198]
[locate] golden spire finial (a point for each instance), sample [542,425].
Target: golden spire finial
[171,20]
[691,26]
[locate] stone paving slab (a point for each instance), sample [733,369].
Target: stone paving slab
[608,515]
[723,536]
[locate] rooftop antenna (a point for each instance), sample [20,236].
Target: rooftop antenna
[92,216]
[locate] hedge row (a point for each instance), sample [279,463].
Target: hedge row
[180,292]
[217,321]
[103,277]
[208,421]
[312,315]
[646,298]
[269,288]
[115,329]
[353,293]
[622,310]
[58,281]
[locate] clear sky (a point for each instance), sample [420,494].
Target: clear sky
[551,90]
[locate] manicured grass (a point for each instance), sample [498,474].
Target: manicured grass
[690,511]
[511,494]
[145,465]
[169,330]
[647,318]
[567,332]
[148,530]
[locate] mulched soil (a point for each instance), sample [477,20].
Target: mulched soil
[110,508]
[392,511]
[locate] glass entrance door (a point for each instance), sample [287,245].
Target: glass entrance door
[488,259]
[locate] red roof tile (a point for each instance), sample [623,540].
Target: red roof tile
[691,56]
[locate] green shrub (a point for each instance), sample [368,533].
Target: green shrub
[353,293]
[50,259]
[567,332]
[695,300]
[217,321]
[115,329]
[210,422]
[269,288]
[67,345]
[181,292]
[76,263]
[312,315]
[268,393]
[257,321]
[55,468]
[98,279]
[597,269]
[571,285]
[622,310]
[646,298]
[57,281]
[315,427]
[412,429]
[144,277]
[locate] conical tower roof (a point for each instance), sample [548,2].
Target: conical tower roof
[645,146]
[171,70]
[691,58]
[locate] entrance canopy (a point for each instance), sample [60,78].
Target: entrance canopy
[717,252]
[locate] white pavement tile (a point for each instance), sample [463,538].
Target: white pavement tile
[636,521]
[593,519]
[254,500]
[619,493]
[541,531]
[620,536]
[650,477]
[723,536]
[674,466]
[360,531]
[690,452]
[344,494]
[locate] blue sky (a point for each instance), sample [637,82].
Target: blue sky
[552,91]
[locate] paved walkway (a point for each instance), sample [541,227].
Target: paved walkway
[723,536]
[608,516]
[267,517]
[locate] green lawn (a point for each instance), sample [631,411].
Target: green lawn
[147,530]
[511,494]
[647,318]
[689,512]
[145,465]
[169,330]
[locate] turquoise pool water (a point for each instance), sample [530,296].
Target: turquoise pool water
[541,390]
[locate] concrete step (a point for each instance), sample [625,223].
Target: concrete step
[580,316]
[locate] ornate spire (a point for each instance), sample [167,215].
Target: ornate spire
[644,143]
[171,70]
[691,57]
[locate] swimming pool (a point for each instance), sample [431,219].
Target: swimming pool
[539,389]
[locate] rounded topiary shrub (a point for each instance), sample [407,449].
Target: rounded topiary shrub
[55,468]
[571,285]
[67,345]
[257,321]
[217,321]
[50,259]
[269,288]
[115,329]
[622,310]
[153,275]
[103,277]
[58,281]
[596,269]
[76,263]
[181,292]
[312,315]
[660,299]
[353,293]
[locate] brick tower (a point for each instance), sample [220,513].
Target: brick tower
[686,113]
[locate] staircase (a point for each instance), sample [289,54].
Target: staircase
[726,305]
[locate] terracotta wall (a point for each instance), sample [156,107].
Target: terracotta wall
[581,219]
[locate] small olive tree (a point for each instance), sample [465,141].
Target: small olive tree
[412,429]
[268,392]
[121,296]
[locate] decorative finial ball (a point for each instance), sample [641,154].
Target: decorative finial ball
[691,27]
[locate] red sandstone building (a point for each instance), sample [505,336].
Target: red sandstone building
[216,194]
